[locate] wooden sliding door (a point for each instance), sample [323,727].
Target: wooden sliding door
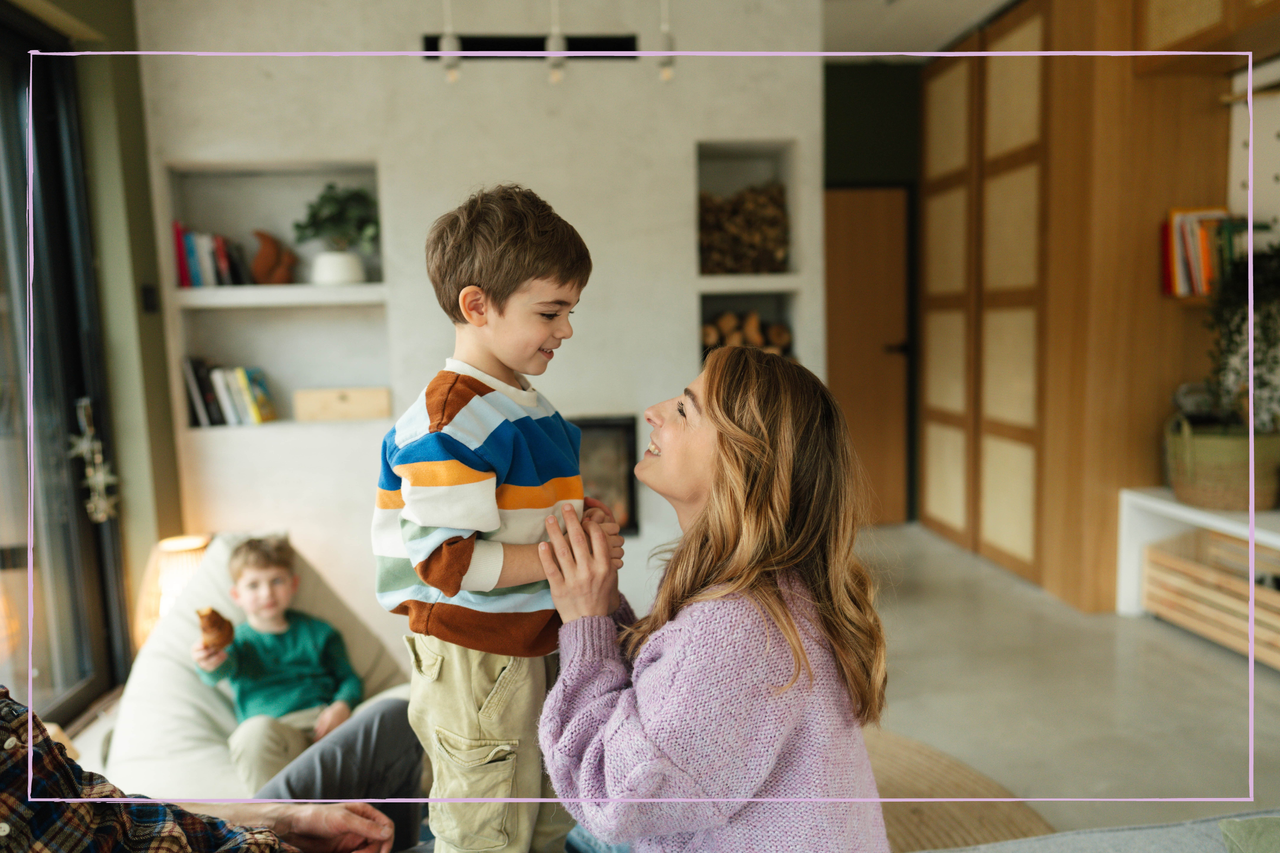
[868,349]
[982,272]
[948,297]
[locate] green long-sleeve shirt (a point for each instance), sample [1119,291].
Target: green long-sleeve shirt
[276,674]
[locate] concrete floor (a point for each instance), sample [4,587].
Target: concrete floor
[1051,702]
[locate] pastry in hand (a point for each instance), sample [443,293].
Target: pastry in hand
[215,631]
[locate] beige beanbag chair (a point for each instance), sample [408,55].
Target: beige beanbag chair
[170,736]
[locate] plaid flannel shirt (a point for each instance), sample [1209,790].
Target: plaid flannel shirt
[152,827]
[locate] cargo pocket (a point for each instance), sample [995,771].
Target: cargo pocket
[426,663]
[425,669]
[468,767]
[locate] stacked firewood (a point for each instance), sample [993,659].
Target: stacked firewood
[745,232]
[731,330]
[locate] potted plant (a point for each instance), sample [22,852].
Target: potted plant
[347,220]
[1207,442]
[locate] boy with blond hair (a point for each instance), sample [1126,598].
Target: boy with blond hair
[472,475]
[290,677]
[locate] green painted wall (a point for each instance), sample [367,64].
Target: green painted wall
[120,206]
[872,113]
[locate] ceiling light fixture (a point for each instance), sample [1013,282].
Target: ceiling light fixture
[449,42]
[666,64]
[555,44]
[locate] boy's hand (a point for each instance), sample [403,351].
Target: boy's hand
[599,513]
[206,658]
[332,717]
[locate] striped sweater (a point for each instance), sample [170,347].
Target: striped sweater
[474,463]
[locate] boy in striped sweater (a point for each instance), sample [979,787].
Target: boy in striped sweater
[470,475]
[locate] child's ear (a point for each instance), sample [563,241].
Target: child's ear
[235,594]
[474,305]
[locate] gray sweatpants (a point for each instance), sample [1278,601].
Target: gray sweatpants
[373,756]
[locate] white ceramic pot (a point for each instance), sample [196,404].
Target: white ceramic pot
[337,268]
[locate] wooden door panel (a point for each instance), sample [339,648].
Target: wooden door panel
[866,254]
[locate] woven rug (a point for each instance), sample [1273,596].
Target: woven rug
[908,768]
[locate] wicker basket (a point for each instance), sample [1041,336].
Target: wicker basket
[1209,466]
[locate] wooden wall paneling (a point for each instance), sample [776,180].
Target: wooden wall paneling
[1013,88]
[974,292]
[946,492]
[1010,356]
[1124,150]
[1011,244]
[1248,13]
[1204,25]
[1070,82]
[947,118]
[1170,24]
[1008,503]
[1011,263]
[946,247]
[946,363]
[948,162]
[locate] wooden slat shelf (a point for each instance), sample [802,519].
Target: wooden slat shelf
[1195,581]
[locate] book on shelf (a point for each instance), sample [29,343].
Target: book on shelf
[222,263]
[204,399]
[223,389]
[180,254]
[194,397]
[193,259]
[1198,246]
[209,260]
[231,396]
[204,256]
[253,385]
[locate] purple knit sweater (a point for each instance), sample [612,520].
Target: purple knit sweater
[696,718]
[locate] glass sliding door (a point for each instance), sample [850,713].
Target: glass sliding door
[76,652]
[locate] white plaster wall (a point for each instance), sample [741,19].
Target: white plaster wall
[1266,155]
[612,148]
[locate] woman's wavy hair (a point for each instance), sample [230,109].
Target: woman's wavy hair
[786,501]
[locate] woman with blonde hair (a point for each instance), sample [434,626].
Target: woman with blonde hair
[729,718]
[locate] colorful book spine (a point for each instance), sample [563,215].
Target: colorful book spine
[180,254]
[221,260]
[204,256]
[193,259]
[193,393]
[261,394]
[218,376]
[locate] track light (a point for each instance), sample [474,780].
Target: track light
[666,64]
[449,41]
[555,44]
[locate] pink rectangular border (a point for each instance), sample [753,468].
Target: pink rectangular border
[641,53]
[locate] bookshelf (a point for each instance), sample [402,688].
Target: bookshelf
[301,335]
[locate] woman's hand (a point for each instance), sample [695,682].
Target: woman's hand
[599,512]
[579,568]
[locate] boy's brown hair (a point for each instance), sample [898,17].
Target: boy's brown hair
[270,553]
[498,239]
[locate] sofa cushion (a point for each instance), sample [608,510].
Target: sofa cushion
[171,730]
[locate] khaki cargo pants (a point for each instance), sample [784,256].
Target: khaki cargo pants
[477,717]
[262,746]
